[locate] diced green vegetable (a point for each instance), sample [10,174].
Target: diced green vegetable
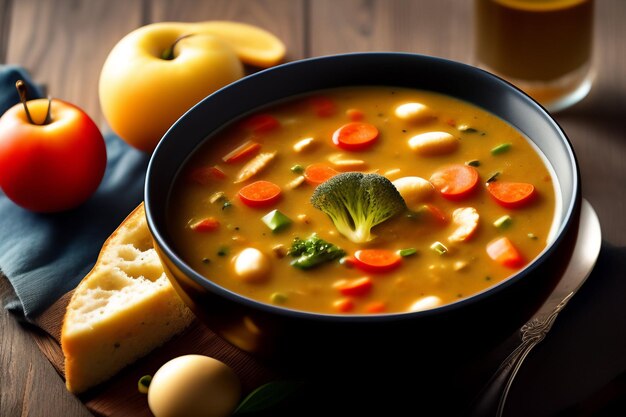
[276,220]
[501,148]
[297,168]
[226,204]
[144,384]
[357,202]
[407,252]
[532,236]
[313,251]
[278,298]
[439,247]
[503,222]
[473,163]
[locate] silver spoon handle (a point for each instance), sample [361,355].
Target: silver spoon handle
[587,249]
[493,399]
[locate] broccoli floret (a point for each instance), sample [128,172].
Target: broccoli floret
[313,251]
[356,202]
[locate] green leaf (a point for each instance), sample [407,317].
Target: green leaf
[267,396]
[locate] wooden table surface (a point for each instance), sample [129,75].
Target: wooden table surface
[64,43]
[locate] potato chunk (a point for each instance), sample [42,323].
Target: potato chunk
[414,190]
[414,112]
[425,303]
[433,143]
[251,265]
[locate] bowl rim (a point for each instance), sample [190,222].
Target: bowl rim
[568,211]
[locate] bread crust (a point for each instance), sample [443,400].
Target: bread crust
[124,308]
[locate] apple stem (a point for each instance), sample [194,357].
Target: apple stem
[48,118]
[20,85]
[168,54]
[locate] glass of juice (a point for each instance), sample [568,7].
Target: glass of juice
[543,47]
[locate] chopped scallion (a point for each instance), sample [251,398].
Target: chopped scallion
[407,252]
[297,168]
[473,163]
[223,251]
[439,247]
[276,220]
[226,204]
[532,236]
[493,177]
[503,222]
[217,196]
[467,129]
[501,148]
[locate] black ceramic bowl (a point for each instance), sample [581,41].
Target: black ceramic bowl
[291,336]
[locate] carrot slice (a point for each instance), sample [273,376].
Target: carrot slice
[261,123]
[323,106]
[504,252]
[356,287]
[315,174]
[260,194]
[209,224]
[242,152]
[375,307]
[377,260]
[455,181]
[355,136]
[511,194]
[355,115]
[435,213]
[206,175]
[344,305]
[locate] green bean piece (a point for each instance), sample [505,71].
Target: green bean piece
[501,148]
[407,252]
[503,222]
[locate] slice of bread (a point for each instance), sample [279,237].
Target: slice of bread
[123,309]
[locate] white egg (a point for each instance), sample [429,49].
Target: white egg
[251,265]
[414,190]
[194,386]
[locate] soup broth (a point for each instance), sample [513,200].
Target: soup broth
[481,208]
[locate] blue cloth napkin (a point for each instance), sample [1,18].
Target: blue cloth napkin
[46,255]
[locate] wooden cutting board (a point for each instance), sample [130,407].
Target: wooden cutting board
[120,396]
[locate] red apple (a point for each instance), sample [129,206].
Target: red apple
[51,159]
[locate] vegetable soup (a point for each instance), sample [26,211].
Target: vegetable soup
[363,200]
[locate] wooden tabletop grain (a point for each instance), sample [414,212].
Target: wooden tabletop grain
[64,43]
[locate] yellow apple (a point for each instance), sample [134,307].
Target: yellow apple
[253,45]
[156,73]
